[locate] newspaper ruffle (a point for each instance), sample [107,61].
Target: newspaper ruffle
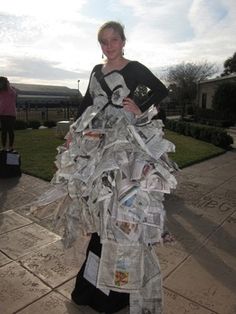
[113,172]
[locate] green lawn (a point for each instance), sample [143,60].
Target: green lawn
[38,150]
[190,150]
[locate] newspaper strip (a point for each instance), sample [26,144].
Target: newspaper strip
[91,270]
[113,173]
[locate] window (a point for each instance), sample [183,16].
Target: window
[204,100]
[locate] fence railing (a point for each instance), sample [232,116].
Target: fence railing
[46,114]
[42,114]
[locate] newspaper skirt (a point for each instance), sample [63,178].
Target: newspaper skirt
[113,172]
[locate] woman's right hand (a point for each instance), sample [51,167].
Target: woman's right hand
[130,105]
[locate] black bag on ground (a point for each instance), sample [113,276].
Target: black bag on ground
[10,163]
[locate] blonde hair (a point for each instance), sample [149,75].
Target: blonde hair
[116,26]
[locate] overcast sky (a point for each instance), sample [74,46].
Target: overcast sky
[55,42]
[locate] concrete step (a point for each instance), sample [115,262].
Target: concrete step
[231,130]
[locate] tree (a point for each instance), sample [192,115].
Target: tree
[184,77]
[230,65]
[224,99]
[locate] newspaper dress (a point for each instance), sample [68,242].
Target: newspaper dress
[113,172]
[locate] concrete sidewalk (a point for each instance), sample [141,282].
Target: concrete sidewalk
[199,271]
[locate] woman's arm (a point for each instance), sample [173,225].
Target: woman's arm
[145,77]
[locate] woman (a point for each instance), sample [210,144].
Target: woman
[113,84]
[7,113]
[116,171]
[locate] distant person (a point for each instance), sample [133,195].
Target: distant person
[7,113]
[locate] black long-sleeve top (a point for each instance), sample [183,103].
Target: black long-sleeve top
[123,83]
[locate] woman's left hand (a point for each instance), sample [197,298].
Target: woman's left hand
[130,105]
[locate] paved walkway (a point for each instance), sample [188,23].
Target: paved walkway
[199,271]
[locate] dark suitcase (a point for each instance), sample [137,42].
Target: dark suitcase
[10,164]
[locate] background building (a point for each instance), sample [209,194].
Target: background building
[46,102]
[207,89]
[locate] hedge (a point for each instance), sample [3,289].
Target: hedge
[216,136]
[214,118]
[34,124]
[20,125]
[50,123]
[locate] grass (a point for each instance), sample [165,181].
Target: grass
[38,151]
[189,150]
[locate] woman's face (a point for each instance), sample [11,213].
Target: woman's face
[111,44]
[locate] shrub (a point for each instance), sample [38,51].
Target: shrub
[187,130]
[221,139]
[205,133]
[20,125]
[50,123]
[34,124]
[214,117]
[171,124]
[194,131]
[190,110]
[224,98]
[180,127]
